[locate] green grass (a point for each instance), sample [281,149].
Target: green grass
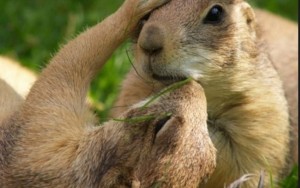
[291,181]
[31,31]
[286,8]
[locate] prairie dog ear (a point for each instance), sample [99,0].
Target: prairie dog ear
[249,17]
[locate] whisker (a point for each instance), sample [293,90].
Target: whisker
[151,83]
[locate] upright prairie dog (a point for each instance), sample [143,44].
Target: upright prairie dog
[219,44]
[50,138]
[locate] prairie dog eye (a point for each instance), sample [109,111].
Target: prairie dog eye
[138,29]
[214,15]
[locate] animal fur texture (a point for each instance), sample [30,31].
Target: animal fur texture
[34,169]
[50,138]
[234,60]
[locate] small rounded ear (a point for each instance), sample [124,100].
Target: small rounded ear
[249,16]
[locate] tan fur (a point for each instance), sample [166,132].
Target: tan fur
[50,139]
[247,111]
[18,77]
[9,101]
[281,36]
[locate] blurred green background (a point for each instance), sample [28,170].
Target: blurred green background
[32,30]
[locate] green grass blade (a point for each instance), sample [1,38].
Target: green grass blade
[167,90]
[144,118]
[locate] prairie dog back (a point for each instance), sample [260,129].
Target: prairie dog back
[281,38]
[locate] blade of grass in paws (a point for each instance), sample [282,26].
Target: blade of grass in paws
[167,90]
[144,118]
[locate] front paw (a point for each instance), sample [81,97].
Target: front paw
[134,10]
[146,6]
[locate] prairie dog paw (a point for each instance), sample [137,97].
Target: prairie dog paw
[146,6]
[134,10]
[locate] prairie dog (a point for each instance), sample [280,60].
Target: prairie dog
[219,44]
[50,138]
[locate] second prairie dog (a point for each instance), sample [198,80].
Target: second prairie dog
[247,112]
[49,139]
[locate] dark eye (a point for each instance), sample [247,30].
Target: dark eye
[135,34]
[214,15]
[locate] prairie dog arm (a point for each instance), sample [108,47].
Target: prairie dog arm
[53,120]
[64,83]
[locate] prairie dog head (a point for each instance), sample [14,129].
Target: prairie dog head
[171,149]
[196,38]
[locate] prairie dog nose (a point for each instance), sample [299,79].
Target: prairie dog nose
[151,39]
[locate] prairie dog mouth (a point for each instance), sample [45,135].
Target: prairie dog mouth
[168,79]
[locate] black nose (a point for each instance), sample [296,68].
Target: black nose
[151,39]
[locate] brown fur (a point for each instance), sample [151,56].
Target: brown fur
[247,111]
[49,139]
